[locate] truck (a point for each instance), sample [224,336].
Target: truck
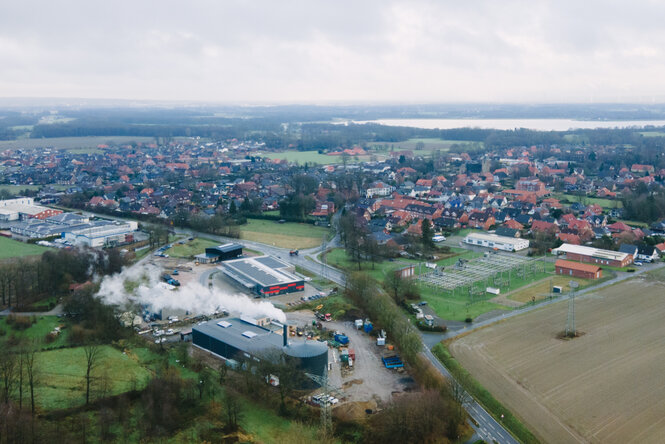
[169,280]
[328,317]
[293,253]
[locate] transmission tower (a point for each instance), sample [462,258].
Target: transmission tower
[570,322]
[326,406]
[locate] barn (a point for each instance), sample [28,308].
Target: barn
[594,255]
[220,253]
[576,269]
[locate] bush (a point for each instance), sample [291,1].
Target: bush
[20,322]
[50,337]
[468,320]
[433,328]
[3,332]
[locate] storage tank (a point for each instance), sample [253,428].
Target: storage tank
[312,356]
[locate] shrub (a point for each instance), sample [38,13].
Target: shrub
[20,322]
[468,320]
[50,337]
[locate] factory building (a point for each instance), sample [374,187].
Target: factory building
[23,208]
[594,255]
[245,338]
[496,242]
[220,253]
[101,233]
[264,275]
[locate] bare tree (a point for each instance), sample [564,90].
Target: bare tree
[31,373]
[92,354]
[459,395]
[8,368]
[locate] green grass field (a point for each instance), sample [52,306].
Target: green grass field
[652,133]
[10,248]
[286,235]
[607,204]
[191,248]
[62,375]
[37,332]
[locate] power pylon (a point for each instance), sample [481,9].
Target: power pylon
[326,406]
[324,268]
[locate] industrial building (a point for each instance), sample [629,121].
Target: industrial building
[263,275]
[592,255]
[219,253]
[576,269]
[245,338]
[23,208]
[496,242]
[101,233]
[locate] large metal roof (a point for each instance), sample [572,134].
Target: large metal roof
[264,271]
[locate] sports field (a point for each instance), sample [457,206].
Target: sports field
[286,235]
[10,248]
[605,386]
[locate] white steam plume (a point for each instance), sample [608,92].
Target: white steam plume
[121,289]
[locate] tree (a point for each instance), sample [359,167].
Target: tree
[233,411]
[8,375]
[31,372]
[92,355]
[393,283]
[427,235]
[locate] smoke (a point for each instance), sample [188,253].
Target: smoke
[142,285]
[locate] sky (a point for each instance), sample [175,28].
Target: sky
[310,51]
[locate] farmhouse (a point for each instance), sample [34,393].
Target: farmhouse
[592,255]
[497,242]
[575,269]
[264,275]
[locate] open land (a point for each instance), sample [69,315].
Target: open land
[10,248]
[286,235]
[599,387]
[74,143]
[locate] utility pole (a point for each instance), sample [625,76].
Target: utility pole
[570,322]
[326,406]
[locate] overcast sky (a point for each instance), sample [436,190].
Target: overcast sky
[269,51]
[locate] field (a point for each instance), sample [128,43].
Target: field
[10,248]
[83,145]
[62,371]
[604,386]
[286,235]
[37,332]
[191,248]
[541,290]
[607,204]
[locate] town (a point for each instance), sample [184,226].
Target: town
[223,256]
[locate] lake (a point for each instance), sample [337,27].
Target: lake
[509,124]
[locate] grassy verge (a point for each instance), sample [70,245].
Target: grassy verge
[484,397]
[191,248]
[316,281]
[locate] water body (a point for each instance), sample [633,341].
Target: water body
[509,124]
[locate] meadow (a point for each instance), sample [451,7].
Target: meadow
[10,248]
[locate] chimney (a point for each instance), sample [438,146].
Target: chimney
[285,333]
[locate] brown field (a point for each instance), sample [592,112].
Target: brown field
[607,386]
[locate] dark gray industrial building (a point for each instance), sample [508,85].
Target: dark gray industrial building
[220,253]
[238,339]
[264,275]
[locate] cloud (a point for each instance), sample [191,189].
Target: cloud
[317,51]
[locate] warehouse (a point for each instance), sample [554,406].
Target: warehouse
[592,255]
[496,242]
[244,338]
[100,233]
[576,269]
[23,208]
[264,275]
[219,253]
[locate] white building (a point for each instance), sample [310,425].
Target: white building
[379,189]
[100,233]
[497,242]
